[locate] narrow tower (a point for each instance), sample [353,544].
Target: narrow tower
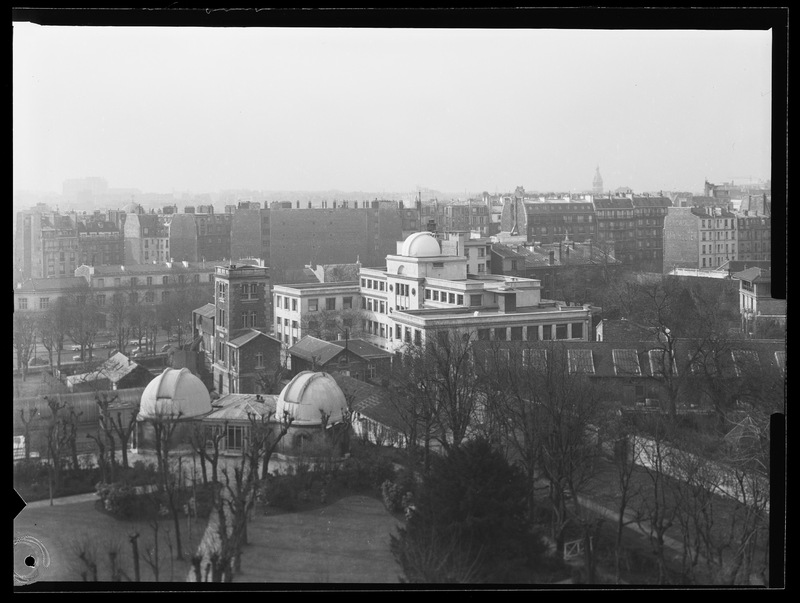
[597,183]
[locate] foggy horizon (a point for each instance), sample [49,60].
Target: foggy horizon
[370,110]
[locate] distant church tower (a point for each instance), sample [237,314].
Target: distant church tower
[597,183]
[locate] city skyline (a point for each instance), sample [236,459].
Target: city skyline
[202,110]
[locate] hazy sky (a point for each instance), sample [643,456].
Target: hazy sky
[206,109]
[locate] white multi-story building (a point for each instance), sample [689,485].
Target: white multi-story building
[423,290]
[313,309]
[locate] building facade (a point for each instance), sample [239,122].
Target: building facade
[145,285]
[323,310]
[422,292]
[100,242]
[146,239]
[754,233]
[700,237]
[240,345]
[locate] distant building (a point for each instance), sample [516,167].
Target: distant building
[146,239]
[699,237]
[100,242]
[597,183]
[198,237]
[754,234]
[41,294]
[146,285]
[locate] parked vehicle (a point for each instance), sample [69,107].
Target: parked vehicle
[77,357]
[166,347]
[76,348]
[37,362]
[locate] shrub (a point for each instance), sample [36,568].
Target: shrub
[392,496]
[281,493]
[119,499]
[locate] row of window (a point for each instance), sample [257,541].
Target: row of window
[444,296]
[373,305]
[718,249]
[100,299]
[134,281]
[531,332]
[369,283]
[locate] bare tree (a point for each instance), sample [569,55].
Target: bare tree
[440,376]
[205,442]
[52,329]
[83,321]
[164,426]
[114,426]
[28,420]
[656,511]
[24,340]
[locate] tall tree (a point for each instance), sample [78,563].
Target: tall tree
[467,522]
[24,340]
[52,329]
[440,376]
[83,319]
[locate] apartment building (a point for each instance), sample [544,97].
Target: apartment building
[146,239]
[147,285]
[699,237]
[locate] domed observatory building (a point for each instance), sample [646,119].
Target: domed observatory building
[318,408]
[176,397]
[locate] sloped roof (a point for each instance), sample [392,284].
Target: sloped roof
[236,407]
[208,311]
[651,202]
[739,265]
[371,401]
[243,337]
[754,275]
[52,284]
[700,212]
[311,348]
[114,369]
[505,252]
[634,359]
[613,203]
[362,348]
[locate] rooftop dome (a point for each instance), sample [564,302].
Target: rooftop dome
[420,245]
[308,394]
[176,393]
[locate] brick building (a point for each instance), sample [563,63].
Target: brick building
[240,346]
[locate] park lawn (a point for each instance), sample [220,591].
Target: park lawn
[61,528]
[346,541]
